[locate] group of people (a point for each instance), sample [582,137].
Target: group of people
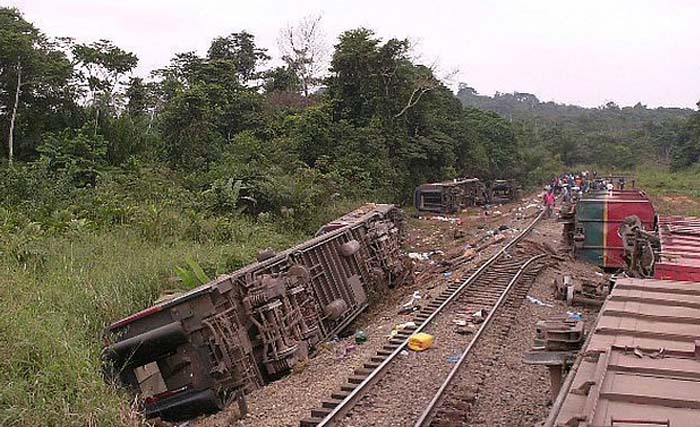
[571,186]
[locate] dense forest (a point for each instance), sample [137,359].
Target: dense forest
[109,181]
[609,136]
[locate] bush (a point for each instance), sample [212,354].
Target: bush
[77,154]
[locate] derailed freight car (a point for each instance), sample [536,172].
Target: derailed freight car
[600,219]
[670,252]
[192,354]
[450,196]
[504,191]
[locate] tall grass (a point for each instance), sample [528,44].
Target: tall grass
[54,310]
[673,192]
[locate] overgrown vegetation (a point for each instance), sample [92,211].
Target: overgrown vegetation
[117,188]
[609,136]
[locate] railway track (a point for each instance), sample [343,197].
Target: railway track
[400,398]
[451,403]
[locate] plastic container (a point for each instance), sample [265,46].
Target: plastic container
[420,341]
[360,337]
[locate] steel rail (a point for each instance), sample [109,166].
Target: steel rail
[429,412]
[347,403]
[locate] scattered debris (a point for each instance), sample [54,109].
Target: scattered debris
[451,220]
[467,329]
[584,291]
[343,351]
[412,305]
[480,316]
[536,301]
[400,327]
[360,337]
[558,340]
[574,316]
[424,256]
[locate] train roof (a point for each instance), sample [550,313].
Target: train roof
[615,195]
[679,258]
[641,363]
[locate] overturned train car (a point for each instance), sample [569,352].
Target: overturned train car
[598,223]
[450,196]
[192,354]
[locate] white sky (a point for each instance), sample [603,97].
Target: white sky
[586,52]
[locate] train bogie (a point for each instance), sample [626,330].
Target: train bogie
[191,354]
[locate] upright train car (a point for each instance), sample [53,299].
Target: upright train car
[193,353]
[598,219]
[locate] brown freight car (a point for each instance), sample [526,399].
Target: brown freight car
[194,353]
[450,196]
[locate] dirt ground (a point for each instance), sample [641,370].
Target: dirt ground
[285,402]
[677,205]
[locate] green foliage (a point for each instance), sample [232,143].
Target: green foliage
[78,155]
[101,64]
[240,50]
[609,135]
[192,277]
[35,70]
[686,142]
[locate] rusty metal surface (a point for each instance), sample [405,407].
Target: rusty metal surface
[641,365]
[679,258]
[193,353]
[450,196]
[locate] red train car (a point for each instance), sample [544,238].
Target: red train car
[679,257]
[598,218]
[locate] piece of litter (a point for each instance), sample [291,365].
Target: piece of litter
[574,316]
[535,301]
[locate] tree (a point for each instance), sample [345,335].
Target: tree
[34,74]
[102,65]
[304,50]
[240,51]
[207,101]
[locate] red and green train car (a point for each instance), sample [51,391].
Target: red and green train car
[598,219]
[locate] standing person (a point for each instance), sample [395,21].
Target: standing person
[549,201]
